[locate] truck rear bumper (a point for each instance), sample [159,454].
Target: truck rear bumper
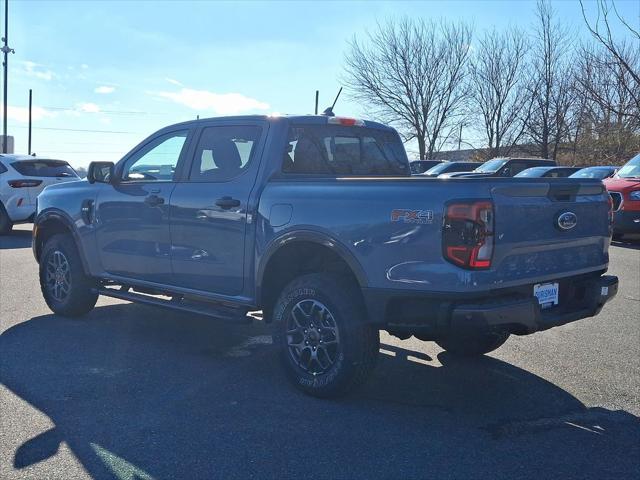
[429,316]
[525,316]
[626,221]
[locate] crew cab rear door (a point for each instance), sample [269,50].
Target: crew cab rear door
[211,209]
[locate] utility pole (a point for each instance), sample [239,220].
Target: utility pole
[30,98]
[6,50]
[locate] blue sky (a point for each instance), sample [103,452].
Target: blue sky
[131,67]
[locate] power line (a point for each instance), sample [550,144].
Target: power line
[82,130]
[57,152]
[109,112]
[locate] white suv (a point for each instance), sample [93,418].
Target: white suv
[22,178]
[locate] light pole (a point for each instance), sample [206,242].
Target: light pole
[6,50]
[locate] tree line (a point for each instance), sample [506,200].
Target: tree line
[543,91]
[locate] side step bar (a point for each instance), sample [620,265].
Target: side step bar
[236,315]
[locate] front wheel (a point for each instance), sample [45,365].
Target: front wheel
[65,287]
[470,345]
[326,346]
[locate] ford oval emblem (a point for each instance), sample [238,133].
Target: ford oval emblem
[567,220]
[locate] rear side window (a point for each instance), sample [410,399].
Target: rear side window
[44,168]
[344,151]
[2,168]
[224,152]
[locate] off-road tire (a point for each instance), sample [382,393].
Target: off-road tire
[358,345]
[472,345]
[82,294]
[5,222]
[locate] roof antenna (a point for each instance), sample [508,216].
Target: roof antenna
[328,112]
[317,93]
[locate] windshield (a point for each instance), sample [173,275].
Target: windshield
[631,169]
[441,167]
[592,172]
[532,172]
[491,165]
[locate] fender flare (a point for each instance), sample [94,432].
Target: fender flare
[312,236]
[63,218]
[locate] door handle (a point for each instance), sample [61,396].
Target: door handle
[227,202]
[154,200]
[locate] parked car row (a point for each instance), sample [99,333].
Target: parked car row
[623,184]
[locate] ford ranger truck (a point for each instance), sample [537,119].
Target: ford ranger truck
[318,222]
[624,189]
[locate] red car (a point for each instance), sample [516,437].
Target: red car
[624,189]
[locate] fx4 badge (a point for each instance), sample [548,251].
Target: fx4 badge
[412,216]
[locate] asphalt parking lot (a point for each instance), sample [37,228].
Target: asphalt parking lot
[132,392]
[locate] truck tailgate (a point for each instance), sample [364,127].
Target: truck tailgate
[549,228]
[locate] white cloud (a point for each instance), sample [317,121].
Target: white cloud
[33,69]
[104,89]
[220,103]
[88,107]
[21,114]
[84,66]
[174,82]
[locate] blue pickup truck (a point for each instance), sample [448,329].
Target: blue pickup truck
[318,222]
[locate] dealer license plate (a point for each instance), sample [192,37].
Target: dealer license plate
[547,294]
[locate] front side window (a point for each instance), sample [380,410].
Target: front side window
[157,161]
[224,152]
[44,168]
[344,151]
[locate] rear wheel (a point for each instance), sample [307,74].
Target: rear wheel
[5,222]
[326,346]
[65,287]
[471,345]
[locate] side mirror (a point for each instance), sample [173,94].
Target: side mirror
[506,172]
[100,172]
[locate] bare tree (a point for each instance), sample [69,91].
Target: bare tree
[624,53]
[551,85]
[412,74]
[498,89]
[605,118]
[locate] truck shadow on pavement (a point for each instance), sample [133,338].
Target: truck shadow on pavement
[16,239]
[141,393]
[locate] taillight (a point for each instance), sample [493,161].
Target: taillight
[467,234]
[610,209]
[24,183]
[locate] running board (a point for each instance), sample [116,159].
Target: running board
[234,314]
